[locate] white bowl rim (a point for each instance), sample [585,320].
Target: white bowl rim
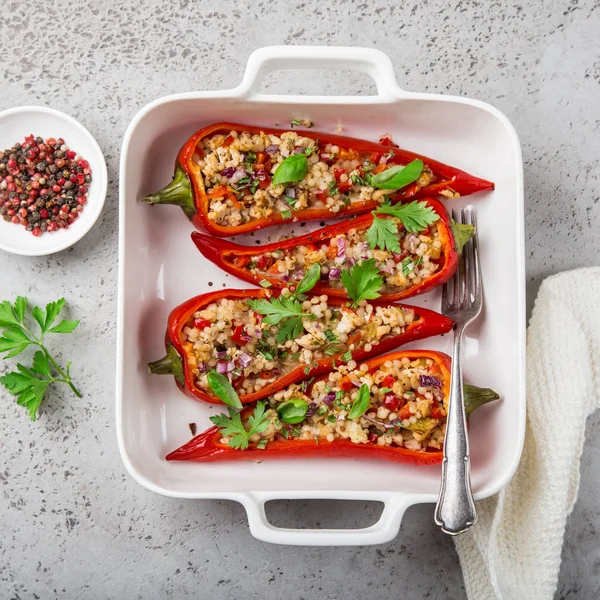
[64,242]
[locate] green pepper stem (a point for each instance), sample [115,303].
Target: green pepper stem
[462,233]
[178,192]
[475,397]
[171,364]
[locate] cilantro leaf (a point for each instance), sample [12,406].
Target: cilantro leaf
[362,281]
[415,216]
[383,234]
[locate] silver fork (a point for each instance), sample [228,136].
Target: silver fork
[455,511]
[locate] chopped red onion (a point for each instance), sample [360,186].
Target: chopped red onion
[222,367]
[341,247]
[378,422]
[350,261]
[222,354]
[286,276]
[239,174]
[259,174]
[298,150]
[397,257]
[385,269]
[355,383]
[334,273]
[202,368]
[290,192]
[298,275]
[311,410]
[272,149]
[228,172]
[244,360]
[329,398]
[429,381]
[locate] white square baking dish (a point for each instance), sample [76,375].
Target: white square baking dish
[159,267]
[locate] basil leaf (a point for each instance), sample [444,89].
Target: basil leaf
[361,404]
[309,281]
[292,169]
[397,177]
[293,411]
[223,390]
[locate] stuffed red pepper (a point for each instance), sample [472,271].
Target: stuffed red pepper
[231,179]
[414,247]
[391,407]
[262,341]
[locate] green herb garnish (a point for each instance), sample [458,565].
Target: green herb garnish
[285,312]
[293,411]
[251,156]
[339,395]
[292,169]
[333,189]
[383,233]
[265,283]
[223,390]
[290,201]
[331,418]
[361,404]
[30,384]
[309,280]
[310,150]
[331,351]
[286,214]
[261,444]
[415,216]
[331,336]
[347,356]
[232,426]
[398,176]
[356,178]
[296,122]
[362,281]
[307,370]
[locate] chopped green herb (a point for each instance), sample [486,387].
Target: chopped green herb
[356,178]
[285,433]
[265,283]
[333,190]
[295,122]
[307,370]
[339,395]
[251,156]
[331,336]
[407,266]
[347,356]
[331,351]
[331,418]
[261,444]
[385,390]
[296,432]
[285,312]
[322,411]
[310,150]
[327,389]
[290,201]
[286,214]
[254,186]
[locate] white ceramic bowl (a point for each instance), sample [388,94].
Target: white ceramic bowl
[15,125]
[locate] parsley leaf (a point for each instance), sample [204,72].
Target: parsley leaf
[29,385]
[362,281]
[415,216]
[330,335]
[283,311]
[383,234]
[232,426]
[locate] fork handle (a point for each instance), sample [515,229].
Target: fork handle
[455,509]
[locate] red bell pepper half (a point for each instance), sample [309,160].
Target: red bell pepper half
[188,190]
[180,360]
[208,446]
[257,263]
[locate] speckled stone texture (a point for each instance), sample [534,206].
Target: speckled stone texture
[73,523]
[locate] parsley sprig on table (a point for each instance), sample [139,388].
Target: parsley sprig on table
[29,384]
[286,311]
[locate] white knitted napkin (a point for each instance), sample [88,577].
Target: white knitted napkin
[513,552]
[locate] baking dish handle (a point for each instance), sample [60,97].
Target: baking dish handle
[372,62]
[384,530]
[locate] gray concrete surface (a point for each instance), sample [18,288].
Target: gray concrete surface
[73,525]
